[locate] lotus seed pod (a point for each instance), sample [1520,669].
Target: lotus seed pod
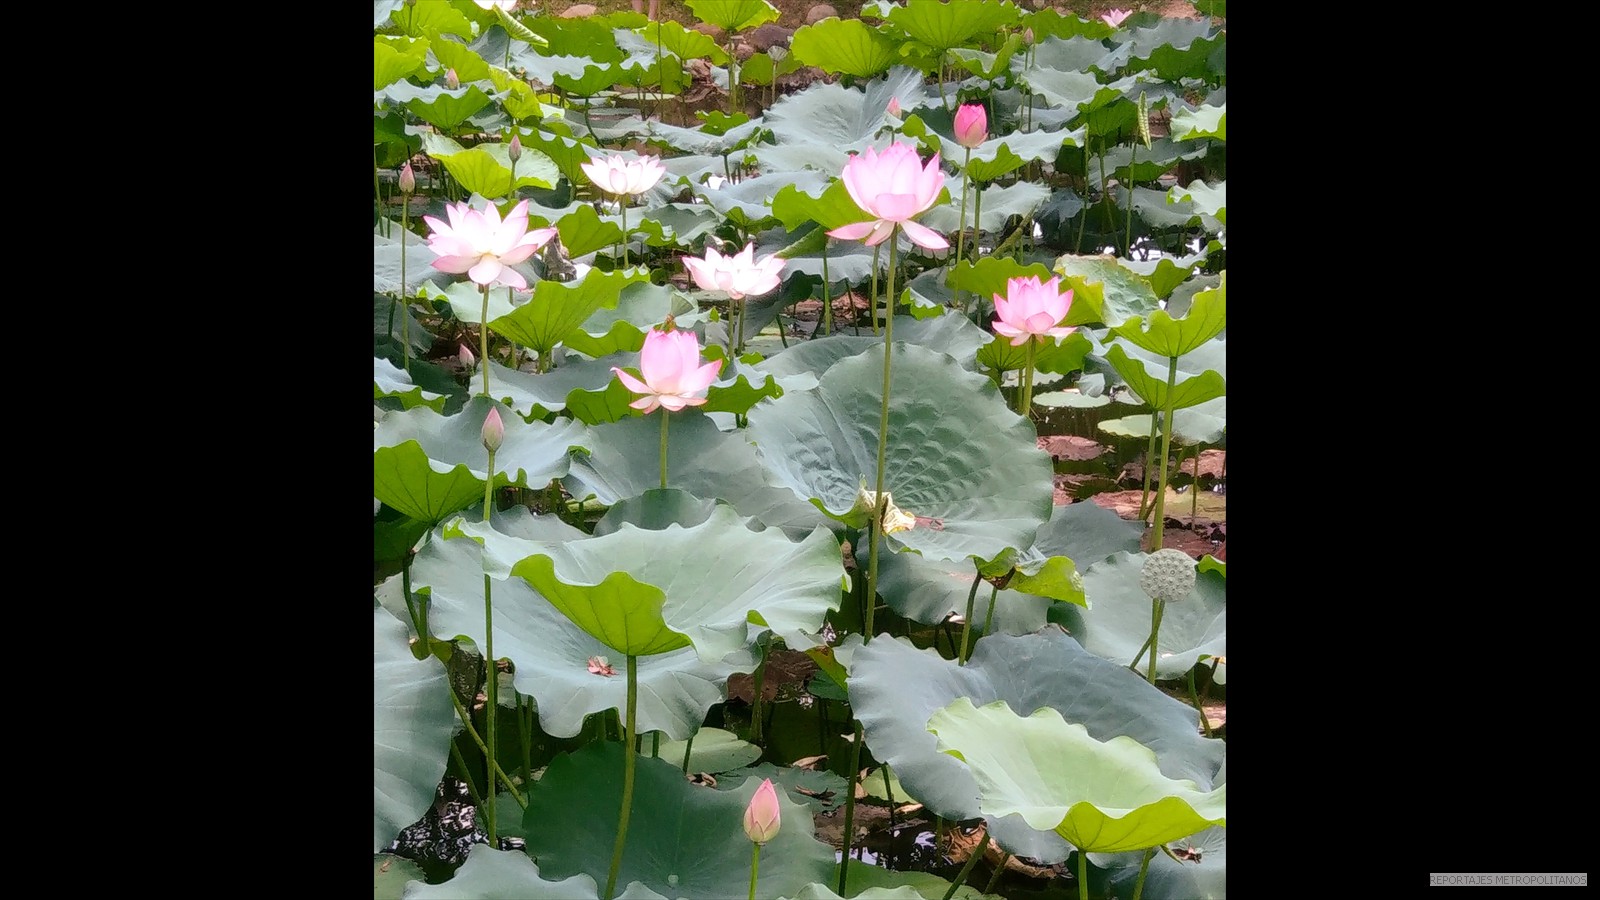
[1167,575]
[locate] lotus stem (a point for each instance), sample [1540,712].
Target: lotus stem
[1025,402]
[1149,453]
[483,342]
[628,762]
[850,809]
[405,321]
[1204,725]
[827,292]
[988,617]
[1139,655]
[466,721]
[1157,607]
[1128,242]
[466,775]
[966,624]
[961,877]
[888,794]
[755,701]
[377,190]
[1194,497]
[1144,869]
[655,745]
[665,416]
[977,225]
[491,690]
[1105,191]
[961,227]
[743,310]
[1083,874]
[686,749]
[873,295]
[622,202]
[755,866]
[1000,870]
[418,611]
[1166,450]
[525,738]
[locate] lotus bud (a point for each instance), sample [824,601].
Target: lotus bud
[515,150]
[761,818]
[467,359]
[894,107]
[972,125]
[1027,37]
[494,432]
[408,180]
[1167,575]
[451,79]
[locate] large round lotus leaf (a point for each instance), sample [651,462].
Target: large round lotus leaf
[531,395]
[625,461]
[714,751]
[930,591]
[530,455]
[490,874]
[683,840]
[733,15]
[1103,292]
[1106,796]
[1151,385]
[895,688]
[820,790]
[655,509]
[1166,336]
[412,722]
[955,452]
[876,881]
[1087,533]
[847,46]
[951,335]
[556,310]
[551,654]
[823,892]
[945,25]
[389,380]
[643,591]
[1118,623]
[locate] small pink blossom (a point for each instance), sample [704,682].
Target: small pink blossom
[408,179]
[892,187]
[894,107]
[762,818]
[739,274]
[514,150]
[483,246]
[673,375]
[1031,310]
[617,175]
[972,125]
[451,79]
[599,666]
[465,355]
[494,430]
[1115,16]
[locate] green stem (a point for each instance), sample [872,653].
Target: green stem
[1083,874]
[1144,869]
[628,762]
[755,866]
[1194,488]
[377,190]
[961,878]
[966,626]
[961,227]
[1144,488]
[1128,242]
[1157,608]
[873,296]
[405,322]
[1140,655]
[665,416]
[888,794]
[1204,725]
[742,311]
[492,690]
[1166,450]
[942,98]
[525,736]
[755,702]
[466,775]
[827,293]
[999,871]
[1025,402]
[483,341]
[883,444]
[623,202]
[686,749]
[466,721]
[1105,190]
[977,223]
[419,612]
[850,809]
[988,617]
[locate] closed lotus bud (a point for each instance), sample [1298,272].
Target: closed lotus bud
[894,107]
[467,359]
[451,79]
[1167,575]
[494,431]
[1027,36]
[515,150]
[408,180]
[971,125]
[761,818]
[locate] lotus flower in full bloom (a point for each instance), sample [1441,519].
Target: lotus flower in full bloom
[761,817]
[972,125]
[892,187]
[483,245]
[673,375]
[617,175]
[1030,309]
[1115,16]
[739,274]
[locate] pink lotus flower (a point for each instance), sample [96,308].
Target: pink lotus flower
[892,187]
[514,150]
[451,79]
[739,274]
[494,430]
[761,817]
[408,179]
[972,125]
[1031,310]
[464,353]
[1115,16]
[616,175]
[673,376]
[894,107]
[483,246]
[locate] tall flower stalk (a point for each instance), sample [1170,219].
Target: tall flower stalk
[629,761]
[493,434]
[408,183]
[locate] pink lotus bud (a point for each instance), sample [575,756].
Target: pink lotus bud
[515,150]
[494,432]
[761,816]
[972,125]
[894,107]
[451,79]
[467,359]
[408,180]
[1115,16]
[1027,36]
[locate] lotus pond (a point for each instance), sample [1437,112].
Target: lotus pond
[798,462]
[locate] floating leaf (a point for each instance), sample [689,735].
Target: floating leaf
[412,724]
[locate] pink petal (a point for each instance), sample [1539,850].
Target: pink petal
[925,237]
[880,232]
[853,232]
[631,383]
[648,404]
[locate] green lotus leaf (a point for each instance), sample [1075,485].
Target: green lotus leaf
[516,29]
[1157,209]
[520,102]
[826,790]
[1190,426]
[682,42]
[1119,622]
[1077,54]
[409,481]
[1204,122]
[486,169]
[638,307]
[700,584]
[426,19]
[1152,389]
[1058,357]
[592,80]
[466,301]
[1052,577]
[989,275]
[412,725]
[551,653]
[530,456]
[1209,563]
[390,875]
[1164,274]
[930,591]
[390,381]
[490,874]
[1102,291]
[1001,155]
[876,881]
[602,407]
[815,891]
[1070,88]
[1205,877]
[395,58]
[1175,49]
[734,15]
[1166,336]
[392,144]
[991,66]
[557,309]
[569,154]
[999,204]
[1101,796]
[845,47]
[832,209]
[942,26]
[895,688]
[1130,163]
[1209,200]
[583,231]
[738,394]
[683,840]
[589,37]
[1087,533]
[1049,22]
[419,267]
[714,751]
[534,395]
[448,109]
[988,483]
[655,509]
[468,65]
[677,224]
